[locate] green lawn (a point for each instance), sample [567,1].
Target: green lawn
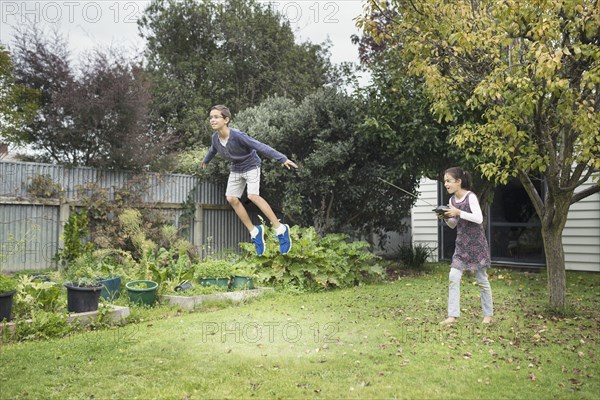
[377,341]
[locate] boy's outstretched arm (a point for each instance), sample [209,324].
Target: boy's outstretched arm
[289,164]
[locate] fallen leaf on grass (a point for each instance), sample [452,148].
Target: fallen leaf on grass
[531,377]
[255,386]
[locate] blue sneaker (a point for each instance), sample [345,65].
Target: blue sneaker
[259,240]
[285,241]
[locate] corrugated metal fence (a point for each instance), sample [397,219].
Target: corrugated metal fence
[39,221]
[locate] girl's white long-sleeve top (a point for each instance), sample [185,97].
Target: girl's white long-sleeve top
[475,215]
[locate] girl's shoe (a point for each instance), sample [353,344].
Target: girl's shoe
[487,320]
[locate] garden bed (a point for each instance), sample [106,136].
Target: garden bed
[115,314]
[190,302]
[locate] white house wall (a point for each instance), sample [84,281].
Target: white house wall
[423,220]
[581,236]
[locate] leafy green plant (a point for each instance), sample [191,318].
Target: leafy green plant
[83,270]
[45,325]
[214,268]
[244,268]
[166,264]
[7,284]
[139,285]
[85,282]
[34,295]
[413,257]
[75,238]
[315,263]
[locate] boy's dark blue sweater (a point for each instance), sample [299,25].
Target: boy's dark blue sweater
[242,151]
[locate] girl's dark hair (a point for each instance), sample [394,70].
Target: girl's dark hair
[459,173]
[223,110]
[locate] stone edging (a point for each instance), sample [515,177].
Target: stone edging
[190,302]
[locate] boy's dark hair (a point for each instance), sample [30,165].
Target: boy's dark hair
[459,173]
[223,110]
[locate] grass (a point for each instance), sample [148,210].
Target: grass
[376,341]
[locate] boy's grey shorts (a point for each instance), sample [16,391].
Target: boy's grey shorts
[238,181]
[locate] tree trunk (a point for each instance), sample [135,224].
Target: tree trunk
[555,267]
[553,212]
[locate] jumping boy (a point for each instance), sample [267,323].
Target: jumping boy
[242,150]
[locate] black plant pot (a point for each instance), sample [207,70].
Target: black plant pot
[81,298]
[6,301]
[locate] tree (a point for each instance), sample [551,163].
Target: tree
[398,113]
[18,103]
[531,71]
[336,187]
[236,52]
[95,115]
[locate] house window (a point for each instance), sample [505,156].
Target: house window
[513,227]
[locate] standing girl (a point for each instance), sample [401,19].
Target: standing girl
[471,251]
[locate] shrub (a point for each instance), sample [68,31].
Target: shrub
[413,257]
[315,263]
[76,234]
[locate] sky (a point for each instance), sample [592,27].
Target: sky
[88,24]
